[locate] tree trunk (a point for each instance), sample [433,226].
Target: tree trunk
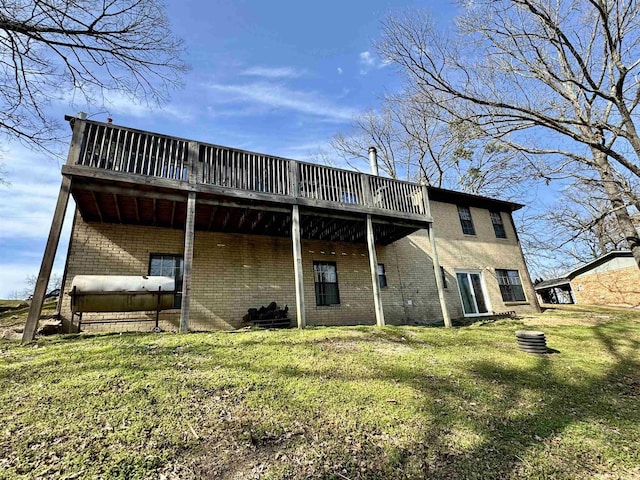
[617,203]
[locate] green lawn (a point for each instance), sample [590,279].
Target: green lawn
[361,402]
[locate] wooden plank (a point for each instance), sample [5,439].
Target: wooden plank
[125,177]
[173,213]
[436,271]
[135,200]
[63,282]
[425,200]
[214,209]
[373,265]
[341,207]
[115,202]
[155,212]
[297,267]
[42,282]
[189,231]
[193,161]
[252,206]
[128,191]
[294,179]
[97,205]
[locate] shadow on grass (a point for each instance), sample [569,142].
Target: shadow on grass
[511,411]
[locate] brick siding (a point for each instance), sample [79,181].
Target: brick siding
[233,272]
[617,287]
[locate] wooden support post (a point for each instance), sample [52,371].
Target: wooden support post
[366,190]
[294,178]
[31,325]
[189,234]
[47,262]
[373,265]
[297,267]
[189,230]
[436,271]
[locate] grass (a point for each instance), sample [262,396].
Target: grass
[357,402]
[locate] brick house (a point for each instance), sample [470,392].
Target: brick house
[612,279]
[239,229]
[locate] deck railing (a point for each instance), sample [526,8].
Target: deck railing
[119,149]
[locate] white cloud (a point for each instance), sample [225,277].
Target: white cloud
[273,72]
[281,97]
[339,71]
[367,59]
[368,62]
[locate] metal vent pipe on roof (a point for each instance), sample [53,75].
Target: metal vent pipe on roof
[373,160]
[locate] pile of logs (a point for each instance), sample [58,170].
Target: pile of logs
[271,316]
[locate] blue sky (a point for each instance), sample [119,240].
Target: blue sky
[278,77]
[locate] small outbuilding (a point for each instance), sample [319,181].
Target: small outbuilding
[612,279]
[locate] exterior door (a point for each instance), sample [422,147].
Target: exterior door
[472,293]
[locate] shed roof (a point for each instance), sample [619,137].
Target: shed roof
[554,282]
[599,261]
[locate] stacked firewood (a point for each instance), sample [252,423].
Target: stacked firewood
[271,316]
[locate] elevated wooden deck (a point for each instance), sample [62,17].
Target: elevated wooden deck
[128,176]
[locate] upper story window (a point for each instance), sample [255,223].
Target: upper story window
[466,221]
[168,265]
[510,285]
[325,277]
[498,226]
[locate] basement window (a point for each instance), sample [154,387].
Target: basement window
[382,276]
[466,221]
[498,226]
[168,265]
[325,277]
[510,285]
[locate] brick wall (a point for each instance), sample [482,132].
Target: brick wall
[232,272]
[482,252]
[617,287]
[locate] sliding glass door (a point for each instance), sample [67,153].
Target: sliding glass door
[472,293]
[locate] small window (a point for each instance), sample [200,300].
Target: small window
[169,265]
[466,221]
[443,276]
[325,277]
[498,226]
[382,276]
[510,285]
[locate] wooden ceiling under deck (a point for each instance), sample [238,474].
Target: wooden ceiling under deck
[101,202]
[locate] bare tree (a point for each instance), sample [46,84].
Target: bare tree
[55,283]
[556,79]
[51,49]
[582,226]
[416,140]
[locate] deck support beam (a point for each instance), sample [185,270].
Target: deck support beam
[436,271]
[189,232]
[373,265]
[297,267]
[31,325]
[47,262]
